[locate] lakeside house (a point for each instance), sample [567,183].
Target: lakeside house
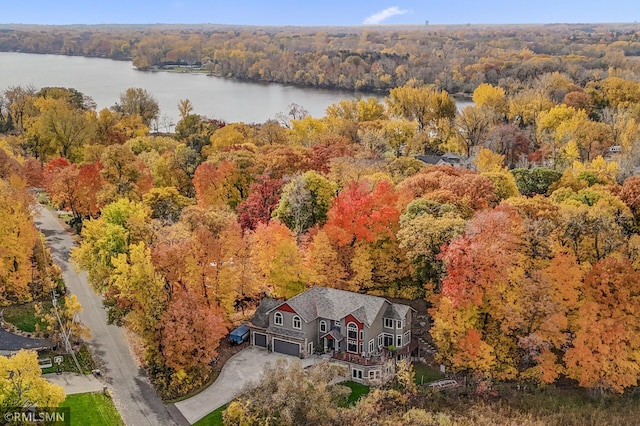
[365,333]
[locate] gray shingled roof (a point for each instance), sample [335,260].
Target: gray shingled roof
[335,334]
[333,304]
[286,332]
[261,317]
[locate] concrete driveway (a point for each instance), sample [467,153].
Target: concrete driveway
[75,383]
[244,367]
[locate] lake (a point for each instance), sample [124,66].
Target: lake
[104,80]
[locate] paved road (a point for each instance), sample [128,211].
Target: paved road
[244,367]
[132,393]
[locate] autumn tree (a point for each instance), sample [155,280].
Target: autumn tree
[360,110]
[138,291]
[491,99]
[479,310]
[276,260]
[138,101]
[399,134]
[422,104]
[284,393]
[508,140]
[20,102]
[473,125]
[113,127]
[264,197]
[62,320]
[190,334]
[362,212]
[305,202]
[61,128]
[166,203]
[124,174]
[17,241]
[74,188]
[464,188]
[22,384]
[121,223]
[427,226]
[218,185]
[604,350]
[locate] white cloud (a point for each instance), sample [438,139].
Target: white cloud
[383,15]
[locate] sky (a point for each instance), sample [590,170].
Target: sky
[318,13]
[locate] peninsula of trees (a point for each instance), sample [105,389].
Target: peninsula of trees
[368,59]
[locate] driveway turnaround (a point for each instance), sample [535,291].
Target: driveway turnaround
[132,394]
[244,367]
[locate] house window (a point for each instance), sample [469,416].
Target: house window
[362,348]
[352,346]
[406,338]
[388,323]
[398,340]
[277,318]
[388,340]
[399,325]
[336,323]
[323,326]
[352,331]
[371,345]
[356,374]
[379,340]
[297,322]
[361,334]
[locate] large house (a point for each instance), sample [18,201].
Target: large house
[365,333]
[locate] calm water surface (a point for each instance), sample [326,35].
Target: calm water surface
[105,79]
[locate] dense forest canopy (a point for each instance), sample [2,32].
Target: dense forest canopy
[375,58]
[528,252]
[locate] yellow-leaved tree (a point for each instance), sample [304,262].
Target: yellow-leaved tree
[22,384]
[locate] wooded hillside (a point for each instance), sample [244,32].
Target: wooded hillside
[454,58]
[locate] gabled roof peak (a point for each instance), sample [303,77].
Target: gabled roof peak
[334,304]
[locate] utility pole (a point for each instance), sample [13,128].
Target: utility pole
[64,332]
[54,301]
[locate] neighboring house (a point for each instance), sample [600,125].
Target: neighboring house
[448,159]
[365,333]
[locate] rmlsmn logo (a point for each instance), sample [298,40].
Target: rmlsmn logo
[48,416]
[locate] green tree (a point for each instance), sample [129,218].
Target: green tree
[305,202]
[121,224]
[138,101]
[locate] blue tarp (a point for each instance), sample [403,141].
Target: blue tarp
[238,334]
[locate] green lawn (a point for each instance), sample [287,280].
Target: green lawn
[214,418]
[426,374]
[357,390]
[95,409]
[24,316]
